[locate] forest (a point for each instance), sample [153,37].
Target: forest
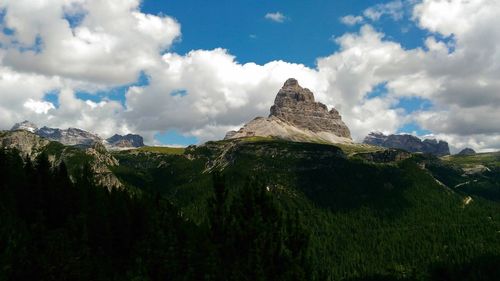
[53,229]
[57,228]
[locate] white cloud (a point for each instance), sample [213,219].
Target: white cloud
[18,88]
[394,9]
[276,17]
[38,107]
[112,44]
[351,20]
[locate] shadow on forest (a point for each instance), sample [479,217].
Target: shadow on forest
[324,175]
[321,172]
[484,268]
[340,184]
[332,181]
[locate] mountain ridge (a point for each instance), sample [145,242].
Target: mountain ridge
[79,137]
[408,142]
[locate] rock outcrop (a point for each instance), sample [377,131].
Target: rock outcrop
[467,151]
[127,141]
[409,143]
[27,143]
[30,145]
[296,116]
[25,126]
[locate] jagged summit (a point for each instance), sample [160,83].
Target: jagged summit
[408,142]
[296,116]
[467,151]
[79,137]
[292,91]
[70,136]
[26,126]
[129,140]
[296,105]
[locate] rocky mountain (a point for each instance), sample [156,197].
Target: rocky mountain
[129,140]
[79,137]
[30,145]
[409,143]
[467,151]
[296,116]
[24,141]
[25,125]
[70,136]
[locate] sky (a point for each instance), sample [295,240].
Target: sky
[182,72]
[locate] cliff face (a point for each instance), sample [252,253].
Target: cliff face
[296,106]
[130,140]
[296,116]
[409,143]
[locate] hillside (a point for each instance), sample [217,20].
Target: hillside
[366,218]
[361,212]
[30,145]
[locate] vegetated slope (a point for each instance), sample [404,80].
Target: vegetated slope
[30,145]
[56,229]
[394,220]
[477,174]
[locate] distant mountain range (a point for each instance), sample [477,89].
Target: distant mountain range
[408,142]
[79,137]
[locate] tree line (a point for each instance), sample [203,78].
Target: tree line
[53,228]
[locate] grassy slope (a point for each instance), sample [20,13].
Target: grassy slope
[162,149]
[365,218]
[487,159]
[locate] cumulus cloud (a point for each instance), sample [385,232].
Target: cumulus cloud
[466,75]
[38,107]
[276,17]
[110,45]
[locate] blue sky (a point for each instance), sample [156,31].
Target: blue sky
[240,26]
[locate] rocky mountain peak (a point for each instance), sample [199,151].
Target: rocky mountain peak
[296,116]
[292,93]
[70,136]
[129,140]
[79,137]
[291,82]
[26,126]
[296,106]
[409,143]
[467,151]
